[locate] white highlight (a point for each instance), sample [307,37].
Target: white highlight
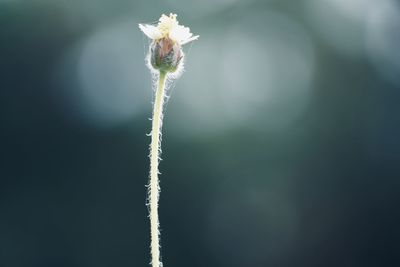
[258,80]
[382,40]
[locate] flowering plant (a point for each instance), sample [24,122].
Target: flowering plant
[165,57]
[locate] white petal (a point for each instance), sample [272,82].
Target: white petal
[151,31]
[190,39]
[180,34]
[169,21]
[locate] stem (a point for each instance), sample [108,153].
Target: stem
[154,187]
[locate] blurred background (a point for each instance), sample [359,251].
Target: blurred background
[280,144]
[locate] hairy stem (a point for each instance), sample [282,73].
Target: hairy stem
[154,159]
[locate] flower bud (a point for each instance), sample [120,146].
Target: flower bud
[165,55]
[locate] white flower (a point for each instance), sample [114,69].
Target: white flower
[168,27]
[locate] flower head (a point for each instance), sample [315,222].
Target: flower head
[168,36]
[168,27]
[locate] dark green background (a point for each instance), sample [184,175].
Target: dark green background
[280,147]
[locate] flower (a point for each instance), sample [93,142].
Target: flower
[168,36]
[168,27]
